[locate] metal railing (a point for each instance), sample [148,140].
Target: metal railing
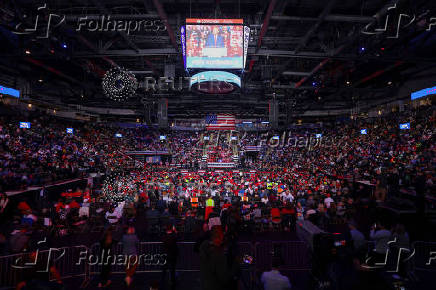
[81,261]
[19,267]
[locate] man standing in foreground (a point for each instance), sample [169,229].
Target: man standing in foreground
[273,280]
[218,270]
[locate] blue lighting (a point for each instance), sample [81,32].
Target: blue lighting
[64,45]
[423,93]
[363,132]
[318,135]
[70,131]
[214,76]
[9,91]
[405,126]
[118,135]
[25,125]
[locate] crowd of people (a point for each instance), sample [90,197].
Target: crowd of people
[330,180]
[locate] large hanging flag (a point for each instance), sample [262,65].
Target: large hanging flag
[220,122]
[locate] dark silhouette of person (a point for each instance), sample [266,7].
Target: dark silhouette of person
[215,270]
[171,250]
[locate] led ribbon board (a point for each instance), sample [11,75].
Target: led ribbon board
[215,81]
[10,92]
[423,93]
[183,40]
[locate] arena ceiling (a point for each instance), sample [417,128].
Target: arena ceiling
[307,54]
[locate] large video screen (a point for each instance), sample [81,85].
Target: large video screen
[210,46]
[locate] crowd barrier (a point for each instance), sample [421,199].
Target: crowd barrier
[19,267]
[82,262]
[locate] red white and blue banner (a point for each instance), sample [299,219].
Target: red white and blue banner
[220,122]
[252,148]
[221,164]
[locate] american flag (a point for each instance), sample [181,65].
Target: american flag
[220,122]
[252,147]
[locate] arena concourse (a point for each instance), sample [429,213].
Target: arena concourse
[212,145]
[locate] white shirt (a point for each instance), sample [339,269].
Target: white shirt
[287,197]
[273,280]
[111,217]
[328,201]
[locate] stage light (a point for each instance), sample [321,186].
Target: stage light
[389,83]
[348,82]
[382,48]
[64,45]
[27,51]
[40,80]
[52,51]
[314,84]
[54,111]
[362,49]
[29,105]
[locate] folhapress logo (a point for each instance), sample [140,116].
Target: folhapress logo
[399,20]
[97,23]
[54,20]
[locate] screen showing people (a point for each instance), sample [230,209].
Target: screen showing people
[214,46]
